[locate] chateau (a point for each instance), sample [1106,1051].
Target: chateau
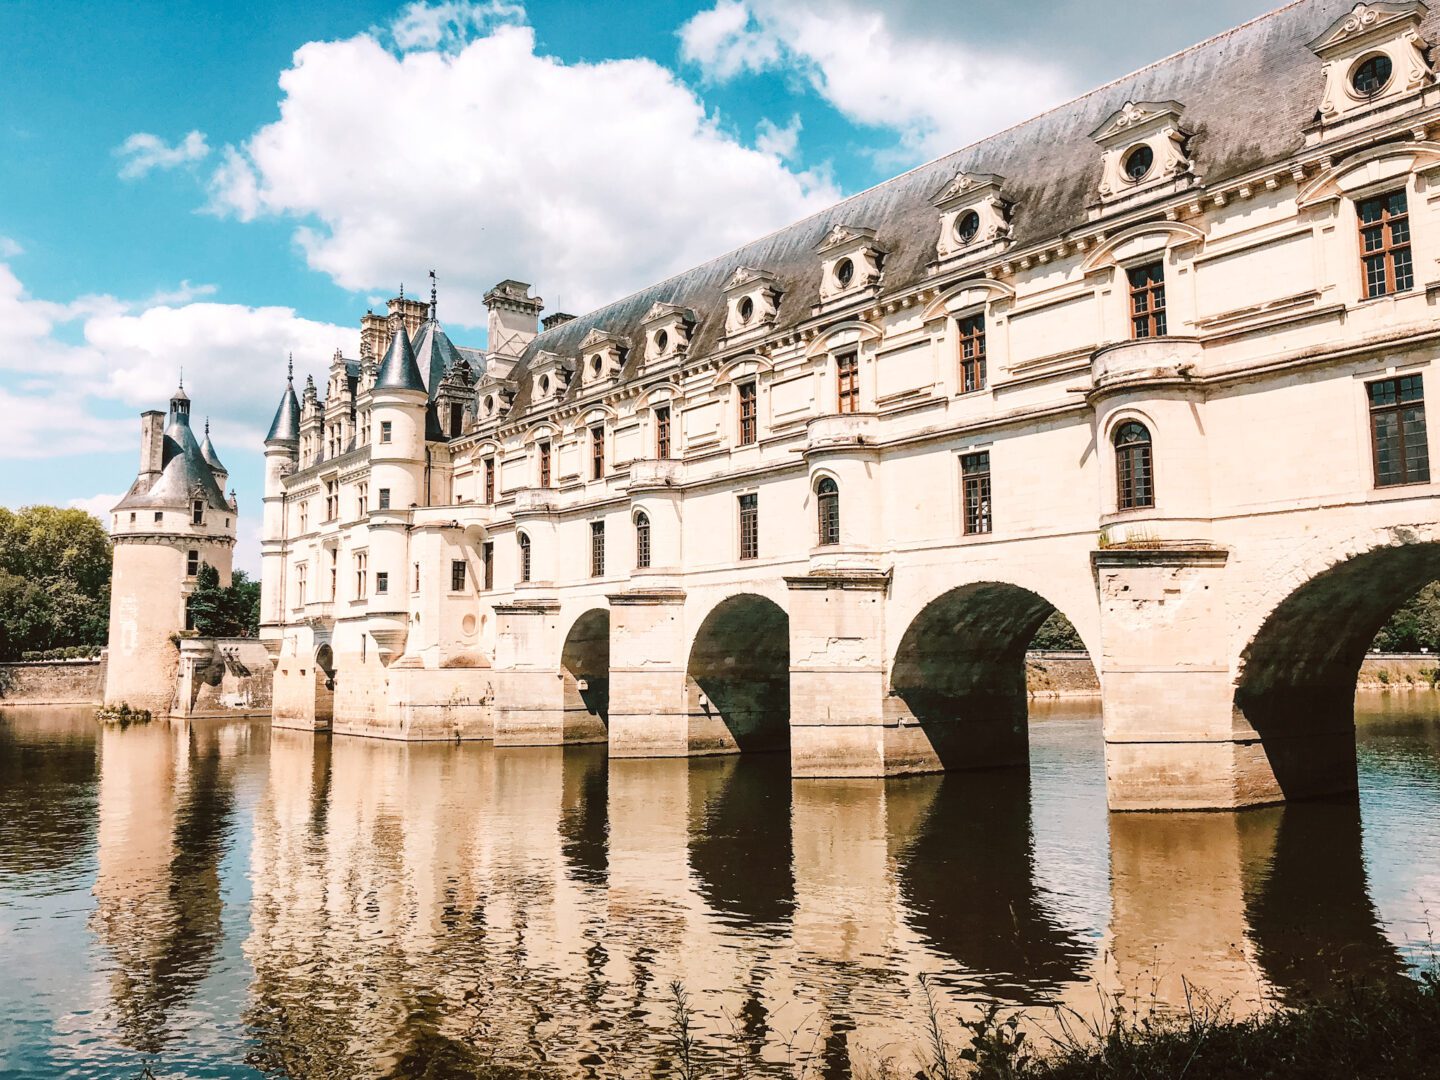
[1156,358]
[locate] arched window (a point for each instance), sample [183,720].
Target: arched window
[524,543]
[642,540]
[827,505]
[1134,470]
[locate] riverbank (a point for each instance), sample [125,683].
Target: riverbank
[52,682]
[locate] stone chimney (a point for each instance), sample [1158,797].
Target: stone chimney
[513,312]
[408,310]
[152,447]
[560,318]
[374,336]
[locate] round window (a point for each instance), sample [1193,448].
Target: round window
[490,404]
[746,309]
[844,272]
[544,385]
[1138,162]
[662,339]
[1371,74]
[596,362]
[967,226]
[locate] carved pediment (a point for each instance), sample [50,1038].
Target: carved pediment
[747,275]
[1134,115]
[964,185]
[598,338]
[660,312]
[844,235]
[1368,21]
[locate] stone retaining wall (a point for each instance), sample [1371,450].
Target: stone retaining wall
[55,682]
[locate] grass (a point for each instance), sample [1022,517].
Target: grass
[1378,1030]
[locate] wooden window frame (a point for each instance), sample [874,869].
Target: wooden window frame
[1147,300]
[487,562]
[971,332]
[522,542]
[192,563]
[384,501]
[597,452]
[977,494]
[827,512]
[1391,257]
[1397,406]
[847,382]
[543,448]
[459,575]
[1134,468]
[747,406]
[490,479]
[597,549]
[382,582]
[662,432]
[748,506]
[642,541]
[386,431]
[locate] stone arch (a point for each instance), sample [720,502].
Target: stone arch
[738,673]
[1295,673]
[324,685]
[585,667]
[959,672]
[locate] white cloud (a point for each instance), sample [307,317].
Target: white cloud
[450,24]
[10,248]
[181,294]
[68,366]
[726,41]
[937,90]
[99,505]
[783,142]
[142,152]
[486,161]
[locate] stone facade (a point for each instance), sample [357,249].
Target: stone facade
[1156,358]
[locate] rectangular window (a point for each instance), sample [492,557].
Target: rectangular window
[384,503]
[457,575]
[662,432]
[362,576]
[416,586]
[847,383]
[972,353]
[382,581]
[192,563]
[386,427]
[975,470]
[487,562]
[362,499]
[334,555]
[1147,300]
[749,526]
[544,451]
[301,591]
[197,512]
[597,549]
[457,418]
[489,479]
[304,514]
[332,499]
[1397,431]
[159,516]
[1385,244]
[747,413]
[597,452]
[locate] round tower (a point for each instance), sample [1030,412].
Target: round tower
[282,455]
[397,476]
[174,518]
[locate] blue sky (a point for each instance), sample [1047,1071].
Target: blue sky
[215,185]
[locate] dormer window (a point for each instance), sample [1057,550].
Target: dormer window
[1373,57]
[850,260]
[1143,153]
[973,216]
[544,386]
[667,330]
[752,300]
[604,356]
[197,512]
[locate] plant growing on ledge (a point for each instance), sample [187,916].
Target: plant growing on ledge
[122,714]
[217,611]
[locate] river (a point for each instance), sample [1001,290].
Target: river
[221,900]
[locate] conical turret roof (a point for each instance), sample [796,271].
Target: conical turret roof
[435,354]
[399,371]
[285,428]
[207,451]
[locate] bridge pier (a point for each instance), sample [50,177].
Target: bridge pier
[649,716]
[535,703]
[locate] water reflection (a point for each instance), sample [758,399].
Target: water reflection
[387,910]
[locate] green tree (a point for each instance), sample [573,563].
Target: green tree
[1415,626]
[1057,634]
[224,611]
[54,580]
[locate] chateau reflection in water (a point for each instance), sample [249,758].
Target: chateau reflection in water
[429,904]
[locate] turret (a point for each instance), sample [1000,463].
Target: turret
[174,518]
[282,451]
[207,451]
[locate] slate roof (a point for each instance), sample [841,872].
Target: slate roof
[399,370]
[184,473]
[435,354]
[285,427]
[1247,95]
[207,451]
